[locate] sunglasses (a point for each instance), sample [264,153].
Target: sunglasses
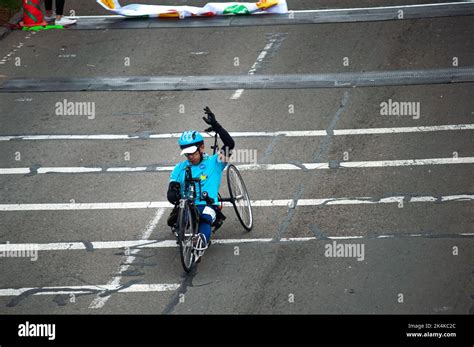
[191,154]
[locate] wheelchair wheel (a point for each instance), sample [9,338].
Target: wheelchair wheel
[186,229]
[240,197]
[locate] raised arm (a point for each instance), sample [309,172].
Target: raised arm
[228,141]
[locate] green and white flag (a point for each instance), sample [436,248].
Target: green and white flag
[210,9]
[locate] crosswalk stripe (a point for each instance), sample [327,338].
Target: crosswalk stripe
[284,133]
[255,203]
[247,167]
[134,288]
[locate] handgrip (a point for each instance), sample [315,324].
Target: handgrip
[207,198]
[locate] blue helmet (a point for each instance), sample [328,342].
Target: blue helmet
[189,141]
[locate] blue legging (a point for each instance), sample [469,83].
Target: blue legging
[207,216]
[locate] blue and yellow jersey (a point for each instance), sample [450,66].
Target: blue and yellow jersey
[209,170]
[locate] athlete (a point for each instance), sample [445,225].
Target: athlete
[206,167]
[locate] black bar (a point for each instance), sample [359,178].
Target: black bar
[287,329]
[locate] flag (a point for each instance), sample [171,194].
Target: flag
[210,9]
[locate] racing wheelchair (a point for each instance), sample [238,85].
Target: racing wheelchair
[187,224]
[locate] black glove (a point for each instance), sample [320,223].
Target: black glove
[173,194]
[211,119]
[215,126]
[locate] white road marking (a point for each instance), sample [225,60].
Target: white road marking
[251,167]
[255,203]
[238,93]
[100,301]
[285,133]
[137,245]
[410,162]
[73,246]
[399,130]
[11,53]
[85,206]
[260,58]
[133,169]
[15,171]
[380,7]
[134,288]
[72,169]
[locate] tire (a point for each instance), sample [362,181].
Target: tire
[186,229]
[240,197]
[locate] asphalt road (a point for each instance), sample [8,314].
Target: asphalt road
[417,255]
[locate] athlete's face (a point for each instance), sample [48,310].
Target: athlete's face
[195,157]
